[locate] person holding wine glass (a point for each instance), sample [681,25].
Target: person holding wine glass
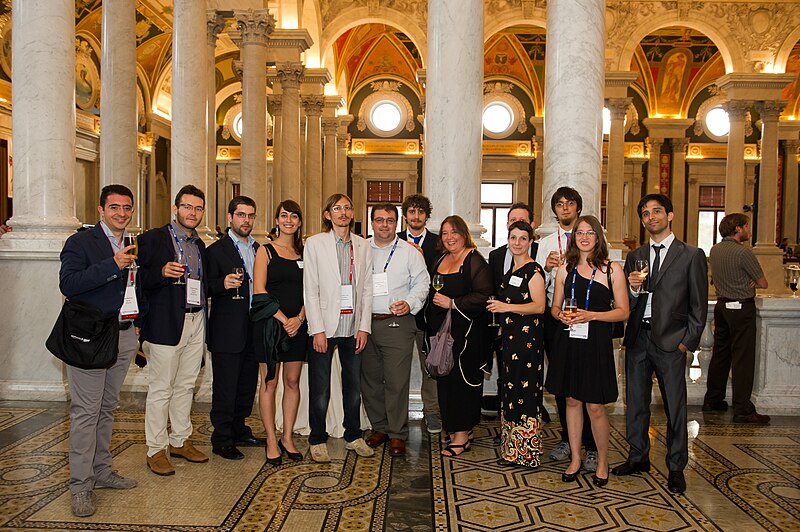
[521,303]
[467,285]
[735,273]
[399,289]
[585,373]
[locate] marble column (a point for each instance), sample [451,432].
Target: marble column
[254,28]
[43,139]
[790,188]
[734,166]
[189,94]
[538,177]
[769,255]
[313,105]
[118,142]
[453,102]
[653,182]
[289,74]
[274,103]
[615,183]
[329,131]
[678,195]
[573,116]
[215,23]
[342,147]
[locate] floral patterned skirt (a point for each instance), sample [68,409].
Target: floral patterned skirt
[521,443]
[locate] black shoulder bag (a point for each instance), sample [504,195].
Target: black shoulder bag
[84,337]
[617,327]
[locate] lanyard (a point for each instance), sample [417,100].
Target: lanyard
[588,288]
[244,264]
[394,247]
[351,261]
[180,249]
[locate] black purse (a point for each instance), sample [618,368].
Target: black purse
[617,327]
[84,336]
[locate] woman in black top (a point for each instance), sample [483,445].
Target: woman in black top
[278,270]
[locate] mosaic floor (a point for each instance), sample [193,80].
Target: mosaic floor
[739,478]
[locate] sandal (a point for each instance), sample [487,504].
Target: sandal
[452,448]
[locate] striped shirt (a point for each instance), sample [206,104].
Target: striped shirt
[733,267]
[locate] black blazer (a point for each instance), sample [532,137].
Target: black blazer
[680,298]
[430,247]
[229,318]
[497,259]
[163,322]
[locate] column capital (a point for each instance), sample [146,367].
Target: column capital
[313,105]
[330,127]
[343,141]
[791,146]
[618,107]
[215,23]
[680,145]
[771,109]
[238,68]
[254,25]
[274,102]
[289,74]
[738,109]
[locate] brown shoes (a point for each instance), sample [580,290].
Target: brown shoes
[754,418]
[397,447]
[159,464]
[188,452]
[377,438]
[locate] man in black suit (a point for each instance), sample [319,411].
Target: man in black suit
[172,271]
[666,321]
[230,332]
[95,269]
[416,211]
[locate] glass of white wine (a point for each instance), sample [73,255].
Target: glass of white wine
[570,309]
[180,258]
[438,282]
[130,240]
[643,267]
[238,272]
[392,300]
[494,322]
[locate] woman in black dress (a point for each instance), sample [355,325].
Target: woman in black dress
[467,285]
[278,270]
[584,372]
[522,300]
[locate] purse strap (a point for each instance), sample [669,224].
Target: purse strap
[610,286]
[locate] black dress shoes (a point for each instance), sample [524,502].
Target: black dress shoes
[721,406]
[676,482]
[251,441]
[229,452]
[754,418]
[630,468]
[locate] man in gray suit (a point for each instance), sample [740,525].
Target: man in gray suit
[666,321]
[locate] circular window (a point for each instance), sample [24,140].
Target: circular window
[386,116]
[498,119]
[237,125]
[717,122]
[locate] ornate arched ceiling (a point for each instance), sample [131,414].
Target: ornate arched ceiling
[792,92]
[517,54]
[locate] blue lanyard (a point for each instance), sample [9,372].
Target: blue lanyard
[244,264]
[180,248]
[588,288]
[394,246]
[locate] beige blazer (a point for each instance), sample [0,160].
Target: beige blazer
[322,284]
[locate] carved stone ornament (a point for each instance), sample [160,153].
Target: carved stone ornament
[228,130]
[313,105]
[289,74]
[215,23]
[497,91]
[255,25]
[386,90]
[330,127]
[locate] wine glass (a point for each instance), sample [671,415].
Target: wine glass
[180,258]
[130,240]
[793,280]
[570,309]
[643,267]
[494,322]
[438,282]
[392,301]
[238,272]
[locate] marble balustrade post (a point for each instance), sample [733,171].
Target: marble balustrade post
[313,105]
[289,74]
[574,89]
[118,142]
[215,23]
[274,103]
[734,167]
[678,195]
[616,171]
[453,102]
[791,193]
[653,181]
[329,132]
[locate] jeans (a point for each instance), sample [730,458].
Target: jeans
[319,389]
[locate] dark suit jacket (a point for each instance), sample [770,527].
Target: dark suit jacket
[163,322]
[680,298]
[431,252]
[497,258]
[89,273]
[229,318]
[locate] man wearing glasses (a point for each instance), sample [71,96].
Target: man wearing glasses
[230,332]
[337,292]
[172,270]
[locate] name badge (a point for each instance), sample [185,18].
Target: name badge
[130,307]
[733,305]
[300,264]
[193,290]
[515,281]
[347,299]
[579,331]
[380,284]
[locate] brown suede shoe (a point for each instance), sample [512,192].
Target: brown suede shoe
[188,452]
[397,447]
[377,438]
[159,464]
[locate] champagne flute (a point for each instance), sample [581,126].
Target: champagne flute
[238,272]
[130,240]
[392,301]
[438,282]
[570,309]
[494,323]
[180,258]
[643,267]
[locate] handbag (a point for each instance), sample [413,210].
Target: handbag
[439,361]
[84,336]
[618,327]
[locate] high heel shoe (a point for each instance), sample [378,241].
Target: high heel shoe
[599,482]
[571,477]
[272,461]
[292,456]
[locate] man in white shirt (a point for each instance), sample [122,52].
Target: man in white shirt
[400,284]
[567,205]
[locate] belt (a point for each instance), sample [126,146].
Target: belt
[728,300]
[381,317]
[192,310]
[645,325]
[125,325]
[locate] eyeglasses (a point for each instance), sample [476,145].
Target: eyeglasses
[115,207]
[585,233]
[243,215]
[562,204]
[199,209]
[340,208]
[381,221]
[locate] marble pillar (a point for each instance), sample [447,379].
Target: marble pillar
[734,167]
[573,116]
[453,102]
[342,147]
[615,182]
[118,126]
[312,106]
[274,103]
[678,195]
[43,139]
[653,182]
[329,132]
[538,176]
[215,23]
[289,74]
[254,28]
[189,94]
[791,195]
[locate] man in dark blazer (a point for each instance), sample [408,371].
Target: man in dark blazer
[666,321]
[172,271]
[94,270]
[416,211]
[230,332]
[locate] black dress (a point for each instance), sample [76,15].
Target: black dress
[461,391]
[522,359]
[285,282]
[584,369]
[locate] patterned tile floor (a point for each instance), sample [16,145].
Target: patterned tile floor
[740,478]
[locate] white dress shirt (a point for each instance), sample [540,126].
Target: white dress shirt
[667,242]
[407,275]
[546,245]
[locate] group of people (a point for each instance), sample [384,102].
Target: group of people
[278,306]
